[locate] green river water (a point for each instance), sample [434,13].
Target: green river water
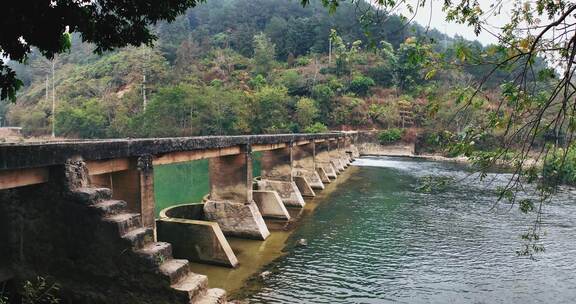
[373,238]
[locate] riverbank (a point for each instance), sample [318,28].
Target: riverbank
[407,150]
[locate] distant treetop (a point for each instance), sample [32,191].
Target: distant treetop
[46,24]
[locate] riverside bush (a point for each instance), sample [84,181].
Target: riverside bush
[390,136]
[560,167]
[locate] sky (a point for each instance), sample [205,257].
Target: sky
[438,20]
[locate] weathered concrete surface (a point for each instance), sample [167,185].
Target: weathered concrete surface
[198,241]
[40,154]
[322,174]
[312,177]
[304,155]
[231,178]
[288,191]
[329,169]
[353,150]
[304,186]
[231,204]
[93,251]
[237,219]
[277,164]
[304,158]
[337,164]
[270,204]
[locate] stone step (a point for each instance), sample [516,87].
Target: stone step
[156,253]
[212,296]
[139,237]
[193,285]
[124,222]
[91,195]
[110,207]
[174,269]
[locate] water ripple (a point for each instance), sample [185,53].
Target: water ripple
[377,240]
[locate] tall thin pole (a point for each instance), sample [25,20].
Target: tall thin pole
[330,50]
[144,98]
[53,102]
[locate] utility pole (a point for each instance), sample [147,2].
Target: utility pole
[47,90]
[53,103]
[144,99]
[330,50]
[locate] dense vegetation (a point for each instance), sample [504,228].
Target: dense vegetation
[258,66]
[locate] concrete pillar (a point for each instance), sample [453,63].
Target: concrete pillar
[344,159]
[135,186]
[277,164]
[231,203]
[277,176]
[335,157]
[305,165]
[146,181]
[324,165]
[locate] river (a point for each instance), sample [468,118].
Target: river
[376,239]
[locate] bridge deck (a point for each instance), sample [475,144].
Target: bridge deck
[43,154]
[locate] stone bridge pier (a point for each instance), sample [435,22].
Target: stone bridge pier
[277,176]
[344,157]
[231,203]
[305,165]
[350,148]
[324,165]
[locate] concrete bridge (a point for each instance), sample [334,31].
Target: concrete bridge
[83,212]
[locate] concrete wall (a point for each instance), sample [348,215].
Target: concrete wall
[197,241]
[49,232]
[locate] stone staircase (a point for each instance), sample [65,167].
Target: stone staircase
[188,287]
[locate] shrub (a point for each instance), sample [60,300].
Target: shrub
[316,128]
[560,168]
[257,82]
[390,135]
[383,75]
[302,61]
[361,85]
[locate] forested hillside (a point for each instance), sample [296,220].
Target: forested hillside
[258,66]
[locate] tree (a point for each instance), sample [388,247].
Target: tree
[46,25]
[306,112]
[264,52]
[268,110]
[344,55]
[537,103]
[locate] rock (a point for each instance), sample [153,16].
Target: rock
[302,243]
[265,275]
